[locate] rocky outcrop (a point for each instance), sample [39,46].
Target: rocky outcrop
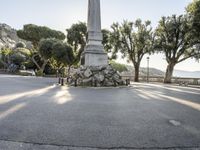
[97,76]
[8,37]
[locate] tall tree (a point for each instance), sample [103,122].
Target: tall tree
[174,38]
[58,52]
[193,10]
[107,45]
[34,34]
[76,37]
[46,49]
[63,54]
[133,40]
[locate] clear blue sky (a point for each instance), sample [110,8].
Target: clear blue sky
[60,14]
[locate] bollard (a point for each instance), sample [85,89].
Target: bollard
[62,81]
[75,83]
[127,82]
[95,83]
[59,80]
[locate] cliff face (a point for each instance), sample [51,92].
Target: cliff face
[8,37]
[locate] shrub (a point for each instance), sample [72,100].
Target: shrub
[20,45]
[119,67]
[17,58]
[39,73]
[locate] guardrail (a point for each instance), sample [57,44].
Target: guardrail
[176,80]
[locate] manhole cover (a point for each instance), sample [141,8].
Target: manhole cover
[174,122]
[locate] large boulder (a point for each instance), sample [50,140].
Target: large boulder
[99,77]
[88,73]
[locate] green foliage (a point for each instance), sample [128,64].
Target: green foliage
[35,33]
[76,37]
[56,50]
[5,52]
[39,73]
[119,67]
[5,56]
[133,40]
[174,38]
[63,53]
[24,51]
[29,65]
[20,45]
[46,47]
[193,10]
[50,69]
[17,58]
[107,46]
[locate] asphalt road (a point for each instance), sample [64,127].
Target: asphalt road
[35,113]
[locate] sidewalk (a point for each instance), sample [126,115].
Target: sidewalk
[10,145]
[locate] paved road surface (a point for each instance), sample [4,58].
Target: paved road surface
[37,114]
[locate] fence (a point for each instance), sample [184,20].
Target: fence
[176,80]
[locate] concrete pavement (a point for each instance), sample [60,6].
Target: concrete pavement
[34,112]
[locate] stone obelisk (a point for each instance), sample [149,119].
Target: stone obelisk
[94,54]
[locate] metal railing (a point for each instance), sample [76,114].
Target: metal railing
[176,80]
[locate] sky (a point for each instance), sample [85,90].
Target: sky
[61,14]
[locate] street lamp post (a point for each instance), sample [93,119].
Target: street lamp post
[148,69]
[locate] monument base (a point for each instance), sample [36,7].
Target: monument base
[97,76]
[94,55]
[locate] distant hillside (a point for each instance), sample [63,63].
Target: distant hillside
[143,71]
[187,74]
[157,72]
[8,37]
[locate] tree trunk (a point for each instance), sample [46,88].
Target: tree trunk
[40,68]
[68,71]
[136,77]
[35,62]
[169,73]
[44,65]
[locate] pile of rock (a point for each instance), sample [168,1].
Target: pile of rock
[97,76]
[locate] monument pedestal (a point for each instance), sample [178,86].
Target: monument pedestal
[94,56]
